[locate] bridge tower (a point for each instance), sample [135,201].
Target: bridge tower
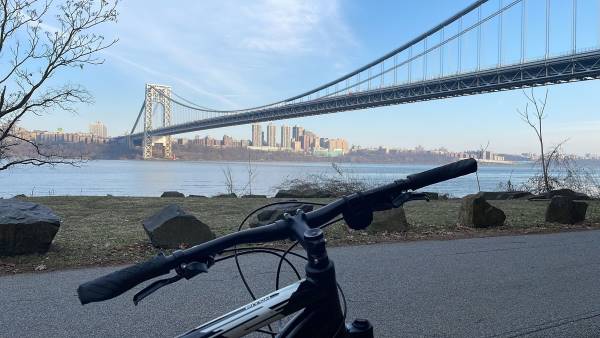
[157,94]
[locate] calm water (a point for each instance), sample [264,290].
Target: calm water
[151,178]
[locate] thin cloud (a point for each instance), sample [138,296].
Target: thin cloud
[183,82]
[294,26]
[232,47]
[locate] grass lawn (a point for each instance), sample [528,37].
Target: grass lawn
[108,230]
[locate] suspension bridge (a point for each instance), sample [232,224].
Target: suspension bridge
[492,45]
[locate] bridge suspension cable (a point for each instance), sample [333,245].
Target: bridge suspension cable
[453,58]
[367,67]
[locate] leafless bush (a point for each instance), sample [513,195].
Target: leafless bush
[566,174]
[340,184]
[229,184]
[592,179]
[558,170]
[508,185]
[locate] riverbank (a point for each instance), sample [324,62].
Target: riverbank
[100,231]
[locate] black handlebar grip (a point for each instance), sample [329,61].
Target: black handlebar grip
[116,283]
[443,173]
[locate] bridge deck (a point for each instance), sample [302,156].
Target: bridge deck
[577,67]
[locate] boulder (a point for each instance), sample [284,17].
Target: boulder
[561,192]
[26,227]
[476,212]
[172,194]
[434,196]
[172,227]
[275,212]
[309,193]
[565,210]
[232,195]
[392,220]
[505,195]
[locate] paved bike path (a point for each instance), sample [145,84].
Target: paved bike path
[535,286]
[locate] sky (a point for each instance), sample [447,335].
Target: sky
[235,54]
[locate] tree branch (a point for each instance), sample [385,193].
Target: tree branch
[43,53]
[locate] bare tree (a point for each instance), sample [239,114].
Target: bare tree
[483,149]
[32,53]
[534,120]
[251,174]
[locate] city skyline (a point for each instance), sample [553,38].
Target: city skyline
[335,39]
[93,136]
[296,139]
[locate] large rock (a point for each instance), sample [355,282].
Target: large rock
[564,210]
[561,192]
[308,193]
[392,220]
[275,212]
[433,196]
[172,227]
[505,195]
[26,227]
[476,212]
[172,194]
[232,195]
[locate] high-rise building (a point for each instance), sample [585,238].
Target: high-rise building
[227,141]
[98,129]
[271,135]
[338,144]
[307,140]
[296,145]
[286,138]
[256,135]
[297,133]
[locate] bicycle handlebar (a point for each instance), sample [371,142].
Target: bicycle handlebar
[118,282]
[440,174]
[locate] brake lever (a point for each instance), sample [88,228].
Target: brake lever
[150,289]
[186,271]
[399,200]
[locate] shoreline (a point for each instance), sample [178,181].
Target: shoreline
[308,163]
[105,231]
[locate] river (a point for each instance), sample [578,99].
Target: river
[151,178]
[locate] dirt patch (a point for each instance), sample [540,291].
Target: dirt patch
[98,231]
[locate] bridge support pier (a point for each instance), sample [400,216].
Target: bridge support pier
[157,95]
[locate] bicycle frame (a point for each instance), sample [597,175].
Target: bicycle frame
[259,313]
[315,298]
